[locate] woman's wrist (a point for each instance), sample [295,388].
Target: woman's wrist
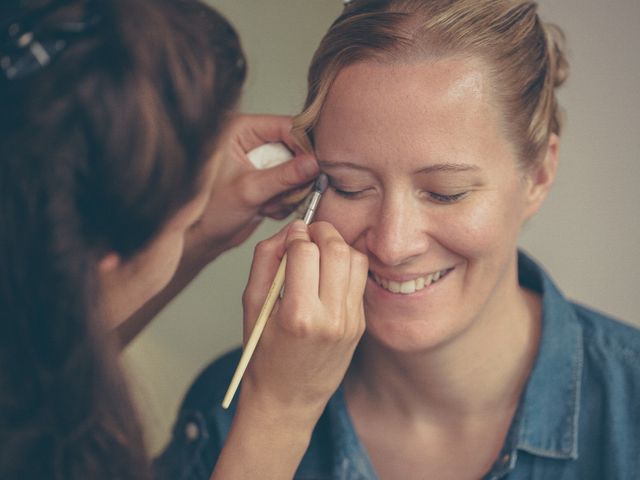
[267,439]
[199,252]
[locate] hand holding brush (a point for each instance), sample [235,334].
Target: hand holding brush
[321,311]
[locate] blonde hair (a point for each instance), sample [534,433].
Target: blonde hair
[524,55]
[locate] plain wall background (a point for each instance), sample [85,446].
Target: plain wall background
[586,235]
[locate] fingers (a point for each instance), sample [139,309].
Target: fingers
[266,260]
[303,270]
[357,285]
[256,186]
[259,129]
[343,277]
[260,186]
[343,280]
[301,275]
[335,263]
[309,340]
[323,274]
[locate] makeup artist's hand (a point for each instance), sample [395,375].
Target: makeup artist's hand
[313,331]
[243,195]
[304,351]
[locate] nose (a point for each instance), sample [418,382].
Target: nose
[399,233]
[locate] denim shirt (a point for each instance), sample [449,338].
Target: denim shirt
[578,417]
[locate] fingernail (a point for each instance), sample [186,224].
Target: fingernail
[308,166]
[298,226]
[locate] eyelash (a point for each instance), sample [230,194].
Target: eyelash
[345,193]
[443,199]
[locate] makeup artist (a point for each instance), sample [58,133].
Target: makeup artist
[122,173]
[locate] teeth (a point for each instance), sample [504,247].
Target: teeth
[410,286]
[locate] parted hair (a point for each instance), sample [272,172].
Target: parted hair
[524,56]
[98,150]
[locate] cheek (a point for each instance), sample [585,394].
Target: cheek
[348,217]
[480,226]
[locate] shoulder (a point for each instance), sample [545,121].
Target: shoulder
[609,337]
[201,425]
[212,382]
[610,373]
[610,382]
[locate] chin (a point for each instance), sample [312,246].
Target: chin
[408,336]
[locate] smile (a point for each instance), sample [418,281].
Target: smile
[410,286]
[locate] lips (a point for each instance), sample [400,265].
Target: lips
[408,287]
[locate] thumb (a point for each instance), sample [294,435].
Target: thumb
[263,185]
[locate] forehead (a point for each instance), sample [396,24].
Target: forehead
[442,107]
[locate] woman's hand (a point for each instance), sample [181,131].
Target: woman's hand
[241,195]
[304,352]
[312,333]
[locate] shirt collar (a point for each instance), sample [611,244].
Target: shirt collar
[350,459]
[547,423]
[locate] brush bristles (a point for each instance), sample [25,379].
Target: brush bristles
[321,184]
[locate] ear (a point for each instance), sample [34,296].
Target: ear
[110,267]
[541,178]
[109,263]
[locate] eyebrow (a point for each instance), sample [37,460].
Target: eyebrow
[438,167]
[328,165]
[449,167]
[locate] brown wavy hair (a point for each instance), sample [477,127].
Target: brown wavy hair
[98,150]
[525,57]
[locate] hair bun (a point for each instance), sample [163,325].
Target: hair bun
[557,45]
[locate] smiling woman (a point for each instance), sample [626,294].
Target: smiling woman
[433,189]
[438,126]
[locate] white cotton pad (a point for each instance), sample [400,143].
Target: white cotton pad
[269,155]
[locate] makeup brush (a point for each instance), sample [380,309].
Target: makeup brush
[319,187]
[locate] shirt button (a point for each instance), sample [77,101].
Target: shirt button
[191,431]
[505,459]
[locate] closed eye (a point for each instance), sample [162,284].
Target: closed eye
[444,199]
[347,193]
[438,197]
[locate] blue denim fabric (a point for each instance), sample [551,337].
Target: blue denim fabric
[578,418]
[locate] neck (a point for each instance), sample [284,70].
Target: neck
[478,374]
[117,300]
